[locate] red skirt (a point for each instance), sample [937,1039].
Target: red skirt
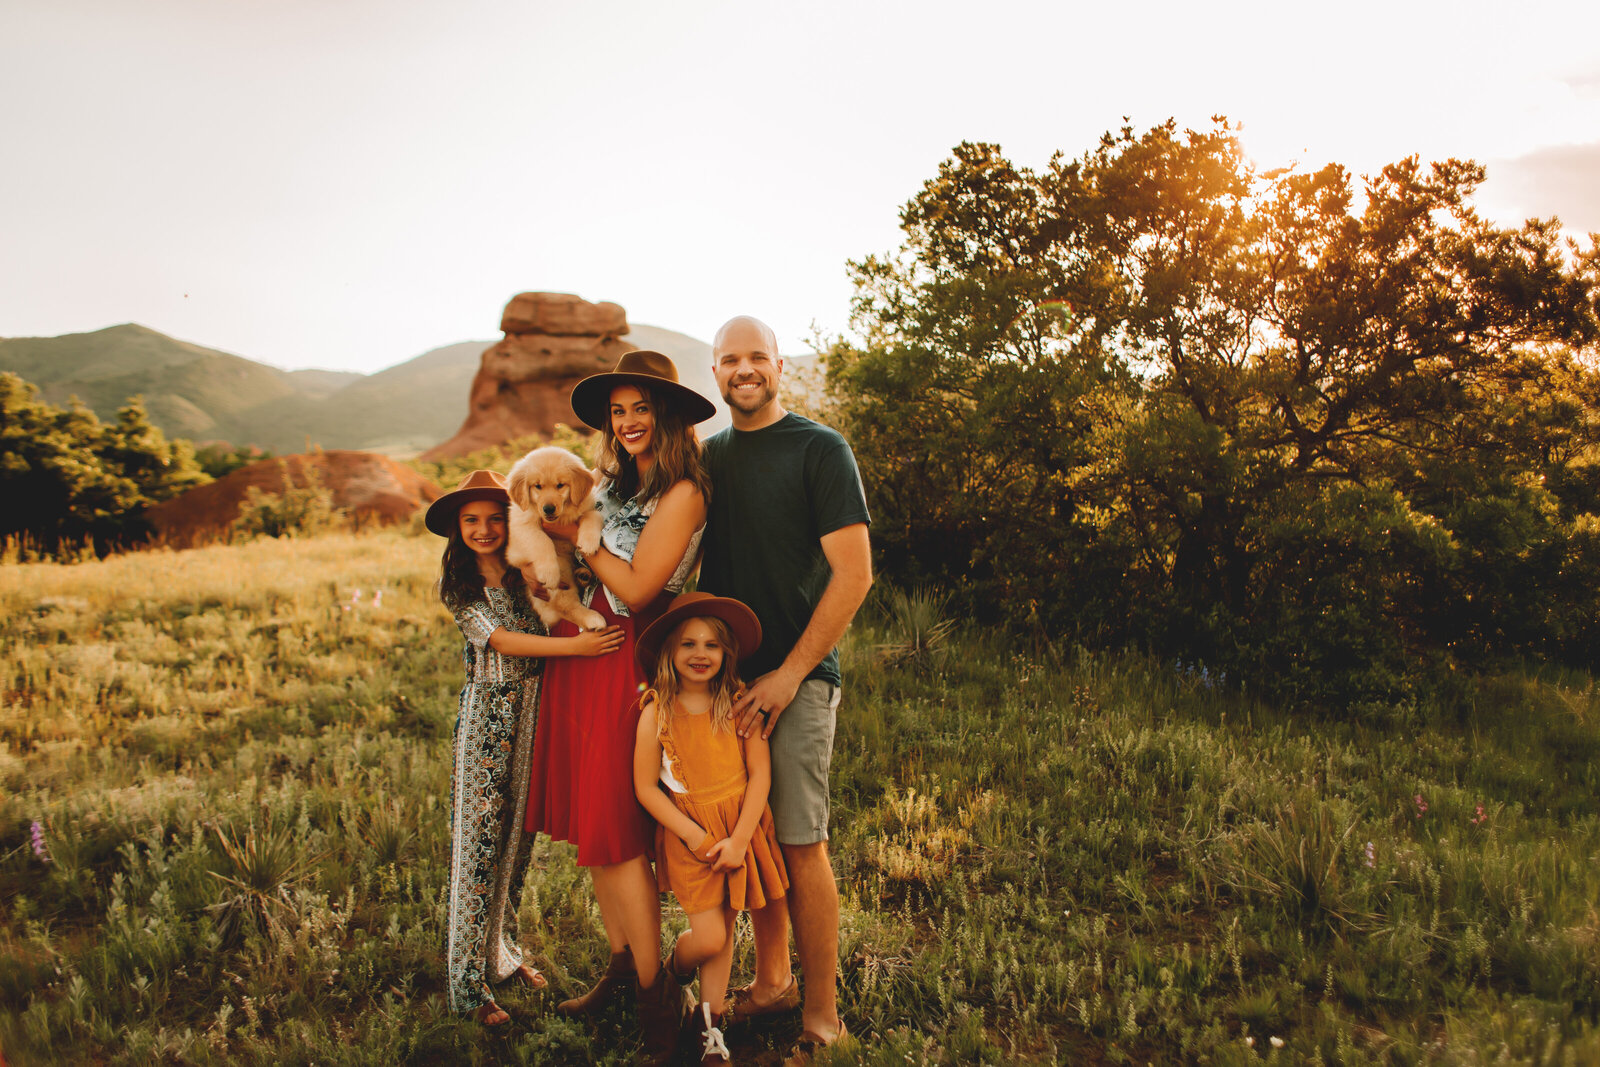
[582,782]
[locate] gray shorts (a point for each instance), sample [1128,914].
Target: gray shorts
[802,751]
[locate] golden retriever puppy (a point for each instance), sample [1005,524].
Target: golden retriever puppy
[552,483]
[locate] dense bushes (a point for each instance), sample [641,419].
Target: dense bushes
[1334,451]
[70,481]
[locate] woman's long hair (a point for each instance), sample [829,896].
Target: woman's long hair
[460,581]
[677,454]
[724,687]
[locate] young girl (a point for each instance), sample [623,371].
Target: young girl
[716,847]
[493,740]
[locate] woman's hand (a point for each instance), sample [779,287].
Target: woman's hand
[560,531]
[597,642]
[728,854]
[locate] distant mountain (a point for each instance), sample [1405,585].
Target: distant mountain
[208,395]
[190,391]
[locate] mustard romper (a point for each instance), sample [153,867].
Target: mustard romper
[703,772]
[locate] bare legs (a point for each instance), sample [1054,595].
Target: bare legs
[708,945]
[813,906]
[814,909]
[770,928]
[631,912]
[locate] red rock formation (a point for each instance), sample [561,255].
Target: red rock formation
[369,486]
[553,341]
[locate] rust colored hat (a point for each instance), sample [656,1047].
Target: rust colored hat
[740,619]
[479,485]
[591,398]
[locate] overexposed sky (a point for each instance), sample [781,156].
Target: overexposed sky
[348,183]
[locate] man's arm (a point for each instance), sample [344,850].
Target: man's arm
[849,554]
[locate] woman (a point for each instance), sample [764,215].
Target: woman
[493,738]
[654,492]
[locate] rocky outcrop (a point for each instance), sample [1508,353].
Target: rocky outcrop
[370,487]
[552,342]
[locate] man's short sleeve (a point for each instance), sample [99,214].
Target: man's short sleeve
[837,497]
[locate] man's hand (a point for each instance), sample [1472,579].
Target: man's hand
[764,701]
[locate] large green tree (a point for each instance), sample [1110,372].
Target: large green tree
[1324,436]
[70,480]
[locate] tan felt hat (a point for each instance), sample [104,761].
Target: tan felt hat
[740,619]
[591,398]
[479,485]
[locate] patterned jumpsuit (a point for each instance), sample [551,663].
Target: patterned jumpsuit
[489,849]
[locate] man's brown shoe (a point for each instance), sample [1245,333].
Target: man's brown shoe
[742,1004]
[810,1044]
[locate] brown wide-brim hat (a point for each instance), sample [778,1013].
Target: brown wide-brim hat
[479,485]
[740,619]
[591,398]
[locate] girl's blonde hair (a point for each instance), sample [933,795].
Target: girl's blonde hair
[724,687]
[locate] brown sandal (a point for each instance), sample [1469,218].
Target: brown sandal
[528,976]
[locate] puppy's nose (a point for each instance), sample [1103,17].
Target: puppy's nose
[550,511]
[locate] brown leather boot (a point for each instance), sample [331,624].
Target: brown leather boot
[708,1030]
[662,1007]
[614,985]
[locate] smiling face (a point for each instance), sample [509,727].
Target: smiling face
[747,368]
[697,656]
[483,526]
[633,422]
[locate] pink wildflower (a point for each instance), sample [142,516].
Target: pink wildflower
[1422,806]
[1481,817]
[39,849]
[1372,854]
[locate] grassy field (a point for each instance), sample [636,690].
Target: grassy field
[236,762]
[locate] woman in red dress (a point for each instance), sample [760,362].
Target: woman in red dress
[654,491]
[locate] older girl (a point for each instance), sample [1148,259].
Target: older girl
[494,730]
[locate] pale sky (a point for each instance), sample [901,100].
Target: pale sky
[349,183]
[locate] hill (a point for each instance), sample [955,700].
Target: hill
[208,395]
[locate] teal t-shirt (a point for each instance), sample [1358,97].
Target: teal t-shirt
[775,492]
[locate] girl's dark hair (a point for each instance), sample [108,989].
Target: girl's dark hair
[460,582]
[677,452]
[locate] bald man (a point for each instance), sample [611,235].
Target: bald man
[787,535]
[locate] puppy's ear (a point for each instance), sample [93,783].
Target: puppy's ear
[517,487]
[582,482]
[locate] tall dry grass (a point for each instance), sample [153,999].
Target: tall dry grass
[237,770]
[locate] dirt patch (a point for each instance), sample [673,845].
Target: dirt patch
[372,488]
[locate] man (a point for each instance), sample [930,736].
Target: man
[787,534]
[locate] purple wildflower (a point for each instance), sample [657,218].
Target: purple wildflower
[1372,854]
[39,848]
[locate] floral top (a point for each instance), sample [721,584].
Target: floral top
[624,523]
[479,619]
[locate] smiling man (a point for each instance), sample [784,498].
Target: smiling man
[787,535]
